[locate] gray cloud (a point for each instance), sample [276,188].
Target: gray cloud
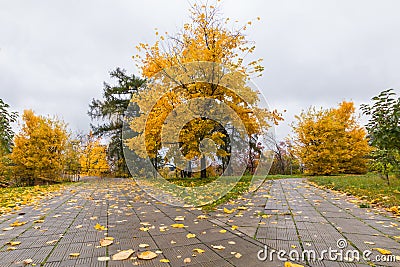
[55,54]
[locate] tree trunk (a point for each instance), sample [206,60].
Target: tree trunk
[203,172]
[189,169]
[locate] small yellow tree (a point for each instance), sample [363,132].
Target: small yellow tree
[39,148]
[93,159]
[331,141]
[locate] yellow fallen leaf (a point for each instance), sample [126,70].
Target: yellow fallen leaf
[202,217]
[164,260]
[14,243]
[99,227]
[242,208]
[231,242]
[8,228]
[144,245]
[289,264]
[17,223]
[103,258]
[223,231]
[228,211]
[74,255]
[219,247]
[79,226]
[122,255]
[234,227]
[106,242]
[179,218]
[187,260]
[293,246]
[198,250]
[52,242]
[190,235]
[383,251]
[38,221]
[144,229]
[177,225]
[11,248]
[396,237]
[238,255]
[369,243]
[147,255]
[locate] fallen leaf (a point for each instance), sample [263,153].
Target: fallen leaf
[179,218]
[238,255]
[231,242]
[144,229]
[219,247]
[99,227]
[177,225]
[38,221]
[242,208]
[187,260]
[14,243]
[202,217]
[147,255]
[74,255]
[122,255]
[383,251]
[103,258]
[369,243]
[198,250]
[234,227]
[144,245]
[106,242]
[190,235]
[228,211]
[8,228]
[17,223]
[11,248]
[293,246]
[289,264]
[52,242]
[223,231]
[79,226]
[27,261]
[164,260]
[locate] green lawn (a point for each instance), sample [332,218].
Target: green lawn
[370,188]
[239,189]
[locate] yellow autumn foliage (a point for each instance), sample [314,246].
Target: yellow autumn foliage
[331,141]
[193,65]
[93,158]
[39,148]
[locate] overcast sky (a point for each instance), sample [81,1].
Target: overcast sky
[55,55]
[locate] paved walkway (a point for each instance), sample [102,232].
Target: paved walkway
[285,215]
